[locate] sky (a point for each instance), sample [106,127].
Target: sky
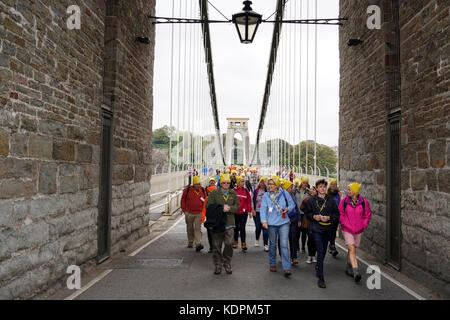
[240,70]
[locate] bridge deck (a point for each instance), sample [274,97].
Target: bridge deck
[167,269]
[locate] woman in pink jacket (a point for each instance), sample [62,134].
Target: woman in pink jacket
[354,218]
[244,211]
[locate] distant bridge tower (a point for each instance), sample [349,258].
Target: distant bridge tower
[237,125]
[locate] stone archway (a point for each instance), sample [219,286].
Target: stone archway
[237,125]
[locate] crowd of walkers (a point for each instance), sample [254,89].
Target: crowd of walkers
[291,215]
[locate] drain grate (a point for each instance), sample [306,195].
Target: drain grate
[149,263]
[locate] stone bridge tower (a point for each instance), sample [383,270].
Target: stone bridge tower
[237,125]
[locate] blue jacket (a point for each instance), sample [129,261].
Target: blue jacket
[282,201]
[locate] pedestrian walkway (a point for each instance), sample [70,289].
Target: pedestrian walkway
[167,269]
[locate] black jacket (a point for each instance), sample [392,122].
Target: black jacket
[330,209]
[216,219]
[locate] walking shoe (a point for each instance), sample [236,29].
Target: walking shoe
[356,275]
[244,246]
[321,283]
[273,269]
[235,245]
[349,270]
[228,268]
[266,248]
[199,247]
[314,260]
[256,243]
[218,269]
[294,261]
[333,251]
[287,273]
[309,261]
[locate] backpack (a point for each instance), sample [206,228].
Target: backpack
[187,192]
[363,203]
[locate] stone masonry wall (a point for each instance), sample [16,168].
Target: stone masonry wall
[425,193]
[51,93]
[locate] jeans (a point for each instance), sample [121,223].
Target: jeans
[321,241]
[259,228]
[304,234]
[240,221]
[311,244]
[282,233]
[294,231]
[333,236]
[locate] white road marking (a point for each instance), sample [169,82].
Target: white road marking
[90,284]
[408,290]
[153,240]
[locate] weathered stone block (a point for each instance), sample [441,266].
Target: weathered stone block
[40,147]
[437,154]
[47,178]
[33,235]
[52,128]
[13,188]
[68,184]
[19,145]
[83,153]
[21,209]
[49,205]
[76,133]
[418,180]
[5,212]
[64,150]
[444,180]
[4,143]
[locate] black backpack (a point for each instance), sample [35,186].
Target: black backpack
[363,203]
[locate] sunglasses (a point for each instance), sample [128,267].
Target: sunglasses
[225,183]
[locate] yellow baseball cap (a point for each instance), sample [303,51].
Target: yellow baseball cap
[297,180]
[355,187]
[333,181]
[305,179]
[225,178]
[196,180]
[286,184]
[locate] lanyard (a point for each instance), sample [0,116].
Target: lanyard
[225,198]
[320,208]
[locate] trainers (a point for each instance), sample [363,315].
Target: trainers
[287,273]
[349,270]
[266,248]
[244,246]
[273,269]
[314,260]
[199,247]
[228,268]
[310,260]
[235,245]
[256,243]
[295,261]
[321,283]
[218,269]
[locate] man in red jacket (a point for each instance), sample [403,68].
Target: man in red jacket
[192,205]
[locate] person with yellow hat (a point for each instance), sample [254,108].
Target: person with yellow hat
[300,194]
[222,201]
[274,208]
[212,186]
[244,211]
[322,212]
[258,194]
[192,202]
[355,215]
[233,176]
[333,191]
[295,217]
